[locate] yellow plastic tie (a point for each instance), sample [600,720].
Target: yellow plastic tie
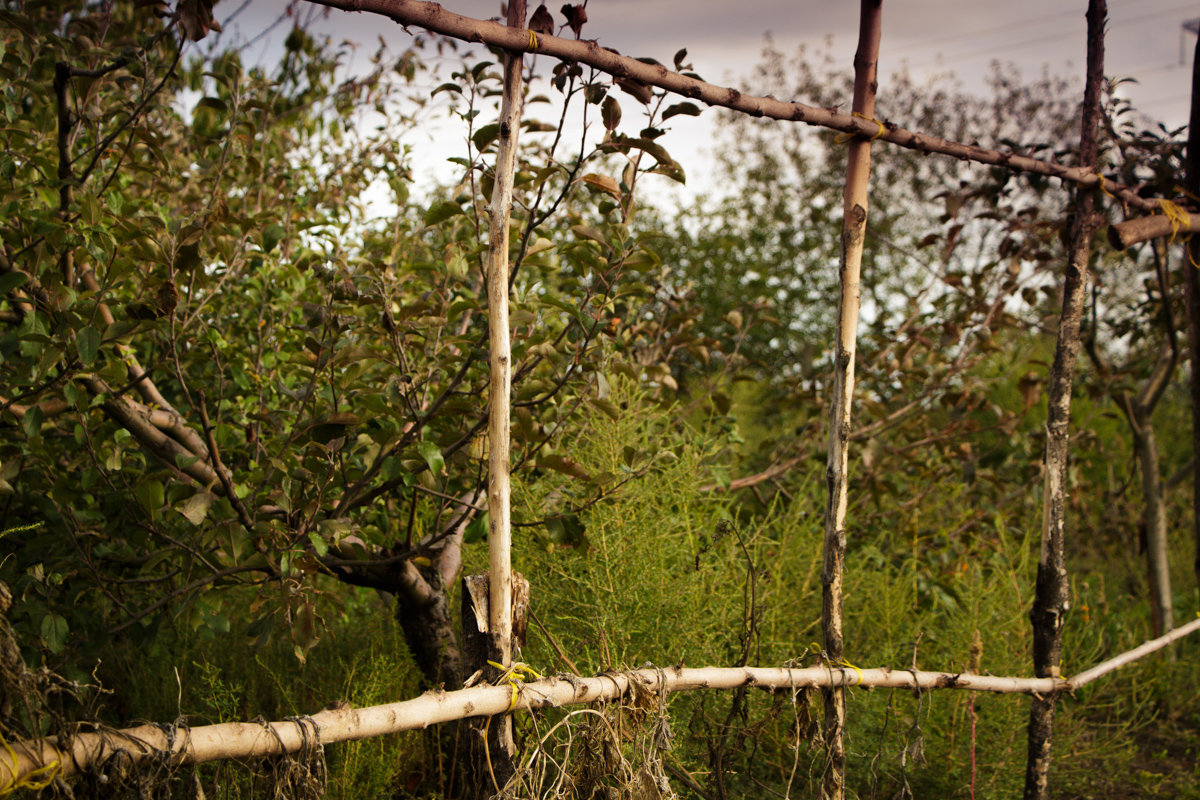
[516,693]
[1178,217]
[35,780]
[846,664]
[533,45]
[513,675]
[842,138]
[1104,189]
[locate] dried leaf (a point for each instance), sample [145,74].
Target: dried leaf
[541,21]
[576,16]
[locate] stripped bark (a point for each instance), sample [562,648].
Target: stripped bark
[854,228]
[433,17]
[1052,593]
[500,581]
[342,723]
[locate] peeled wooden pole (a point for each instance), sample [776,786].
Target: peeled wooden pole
[500,580]
[854,227]
[1052,593]
[28,760]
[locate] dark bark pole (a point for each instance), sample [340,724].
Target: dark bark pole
[1193,296]
[854,226]
[1052,594]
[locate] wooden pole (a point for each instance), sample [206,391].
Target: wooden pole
[433,17]
[854,226]
[500,581]
[38,759]
[1052,593]
[343,723]
[1192,284]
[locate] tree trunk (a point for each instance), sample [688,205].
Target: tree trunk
[1052,593]
[1155,519]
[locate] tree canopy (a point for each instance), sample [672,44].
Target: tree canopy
[243,395]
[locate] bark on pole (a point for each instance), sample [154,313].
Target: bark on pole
[1052,593]
[1192,283]
[500,362]
[433,17]
[854,226]
[22,762]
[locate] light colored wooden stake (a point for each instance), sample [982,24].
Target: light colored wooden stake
[854,226]
[1052,592]
[500,363]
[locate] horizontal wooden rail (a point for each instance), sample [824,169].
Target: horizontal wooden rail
[433,17]
[21,760]
[1134,231]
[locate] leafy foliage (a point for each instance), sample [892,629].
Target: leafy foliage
[244,393]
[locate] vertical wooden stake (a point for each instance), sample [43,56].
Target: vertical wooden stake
[500,363]
[1052,594]
[1192,282]
[854,226]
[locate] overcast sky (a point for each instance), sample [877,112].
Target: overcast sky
[724,39]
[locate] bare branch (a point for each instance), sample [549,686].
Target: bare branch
[433,17]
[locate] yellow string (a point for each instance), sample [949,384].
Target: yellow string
[36,780]
[1178,217]
[842,138]
[518,670]
[1103,189]
[844,663]
[533,45]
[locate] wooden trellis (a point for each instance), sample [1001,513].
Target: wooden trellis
[25,763]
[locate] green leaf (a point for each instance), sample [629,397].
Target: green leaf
[565,529]
[87,341]
[565,465]
[690,109]
[12,280]
[31,423]
[441,212]
[477,529]
[150,494]
[195,508]
[215,103]
[433,456]
[485,136]
[607,406]
[54,632]
[272,235]
[603,183]
[320,546]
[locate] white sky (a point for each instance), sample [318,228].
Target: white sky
[724,40]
